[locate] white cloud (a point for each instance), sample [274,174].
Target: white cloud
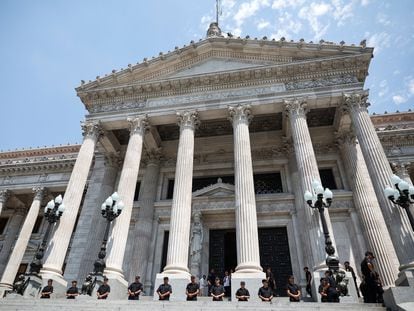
[282,4]
[263,24]
[383,88]
[410,85]
[364,2]
[312,14]
[398,99]
[249,9]
[379,41]
[286,26]
[341,11]
[383,19]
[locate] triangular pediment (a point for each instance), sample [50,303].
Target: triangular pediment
[218,55]
[216,65]
[218,189]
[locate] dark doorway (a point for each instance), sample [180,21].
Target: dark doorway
[274,253]
[164,250]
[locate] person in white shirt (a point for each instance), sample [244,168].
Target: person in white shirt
[203,286]
[226,284]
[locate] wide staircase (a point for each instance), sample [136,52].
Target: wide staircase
[146,303]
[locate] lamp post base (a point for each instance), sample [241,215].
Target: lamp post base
[351,297]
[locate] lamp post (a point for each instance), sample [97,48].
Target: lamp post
[53,211]
[319,199]
[110,210]
[402,194]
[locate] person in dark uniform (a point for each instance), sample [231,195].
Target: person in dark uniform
[135,289]
[217,291]
[192,290]
[211,279]
[323,290]
[72,291]
[47,290]
[242,294]
[308,281]
[293,290]
[333,295]
[164,290]
[103,290]
[348,268]
[372,284]
[265,292]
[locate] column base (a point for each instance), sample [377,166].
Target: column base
[405,278]
[59,283]
[253,282]
[118,284]
[5,289]
[351,297]
[178,282]
[401,297]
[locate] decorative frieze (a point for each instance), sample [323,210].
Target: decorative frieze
[321,82]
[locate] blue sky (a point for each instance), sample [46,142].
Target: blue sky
[48,46]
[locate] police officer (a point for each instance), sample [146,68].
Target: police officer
[72,291]
[217,291]
[135,289]
[192,290]
[265,292]
[103,290]
[164,290]
[242,294]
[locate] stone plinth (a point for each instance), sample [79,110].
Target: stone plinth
[352,296]
[253,283]
[34,287]
[178,282]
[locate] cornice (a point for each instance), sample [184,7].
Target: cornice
[253,49]
[322,68]
[35,165]
[39,152]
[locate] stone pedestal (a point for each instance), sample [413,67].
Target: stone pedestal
[178,282]
[352,296]
[253,283]
[34,287]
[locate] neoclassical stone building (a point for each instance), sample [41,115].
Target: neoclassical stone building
[211,147]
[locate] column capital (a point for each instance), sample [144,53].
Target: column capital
[4,195]
[152,156]
[355,100]
[296,106]
[288,145]
[112,159]
[188,119]
[138,124]
[92,129]
[345,137]
[39,192]
[240,113]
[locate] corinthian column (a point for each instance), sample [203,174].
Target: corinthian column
[4,195]
[380,172]
[180,223]
[307,171]
[143,226]
[22,241]
[58,245]
[247,238]
[368,208]
[126,189]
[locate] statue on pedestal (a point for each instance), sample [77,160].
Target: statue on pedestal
[196,244]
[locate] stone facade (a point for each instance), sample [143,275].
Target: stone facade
[223,134]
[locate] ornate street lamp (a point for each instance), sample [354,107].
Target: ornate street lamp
[402,195]
[110,210]
[319,199]
[53,211]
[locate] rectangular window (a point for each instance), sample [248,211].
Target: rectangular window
[170,190]
[164,250]
[3,224]
[327,178]
[267,183]
[137,188]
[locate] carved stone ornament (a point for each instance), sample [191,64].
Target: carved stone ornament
[112,159]
[322,82]
[297,106]
[401,169]
[39,192]
[240,114]
[345,137]
[188,119]
[92,129]
[354,100]
[138,124]
[152,156]
[4,195]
